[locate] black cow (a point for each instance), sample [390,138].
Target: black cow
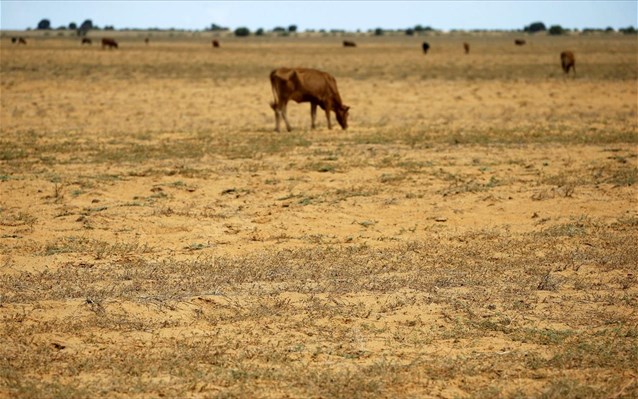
[425,46]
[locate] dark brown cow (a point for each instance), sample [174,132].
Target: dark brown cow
[425,46]
[108,42]
[14,40]
[215,43]
[146,40]
[306,85]
[519,42]
[466,47]
[22,40]
[86,40]
[347,43]
[568,61]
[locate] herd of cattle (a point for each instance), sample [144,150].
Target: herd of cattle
[320,88]
[566,57]
[310,85]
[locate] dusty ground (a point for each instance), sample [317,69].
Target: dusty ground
[472,234]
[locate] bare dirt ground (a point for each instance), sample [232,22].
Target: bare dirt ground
[472,234]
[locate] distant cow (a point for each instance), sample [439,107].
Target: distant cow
[466,47]
[306,85]
[146,40]
[19,40]
[519,42]
[347,43]
[108,42]
[425,46]
[86,40]
[215,43]
[14,40]
[568,61]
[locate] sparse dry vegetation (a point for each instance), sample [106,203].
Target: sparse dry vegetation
[473,233]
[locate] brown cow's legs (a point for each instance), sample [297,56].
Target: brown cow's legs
[284,113]
[328,118]
[313,114]
[277,116]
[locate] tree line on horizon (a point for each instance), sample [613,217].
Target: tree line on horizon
[535,27]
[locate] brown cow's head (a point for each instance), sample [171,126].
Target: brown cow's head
[342,116]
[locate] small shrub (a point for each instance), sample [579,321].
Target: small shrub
[242,32]
[556,30]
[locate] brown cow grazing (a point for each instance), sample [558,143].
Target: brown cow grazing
[108,42]
[306,85]
[466,47]
[215,43]
[568,61]
[86,40]
[519,42]
[22,40]
[347,43]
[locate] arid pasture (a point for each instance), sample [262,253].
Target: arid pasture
[472,234]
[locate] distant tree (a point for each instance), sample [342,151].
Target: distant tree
[73,26]
[109,27]
[609,29]
[279,29]
[630,30]
[556,30]
[259,32]
[242,32]
[87,25]
[215,28]
[535,27]
[44,24]
[292,28]
[378,32]
[420,28]
[409,32]
[61,27]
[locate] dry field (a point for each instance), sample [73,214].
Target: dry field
[472,234]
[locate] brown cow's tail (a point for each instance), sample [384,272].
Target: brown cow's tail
[275,90]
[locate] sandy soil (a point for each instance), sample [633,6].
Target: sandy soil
[472,234]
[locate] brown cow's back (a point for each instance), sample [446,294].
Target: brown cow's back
[305,83]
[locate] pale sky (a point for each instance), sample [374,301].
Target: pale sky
[348,15]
